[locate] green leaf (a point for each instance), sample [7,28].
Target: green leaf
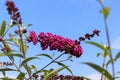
[27,68]
[21,76]
[108,62]
[98,54]
[23,46]
[63,65]
[11,54]
[117,56]
[96,44]
[27,60]
[6,78]
[3,72]
[52,73]
[105,11]
[6,45]
[46,55]
[29,25]
[33,67]
[7,69]
[100,69]
[104,48]
[2,28]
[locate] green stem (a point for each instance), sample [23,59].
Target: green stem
[47,65]
[108,40]
[23,51]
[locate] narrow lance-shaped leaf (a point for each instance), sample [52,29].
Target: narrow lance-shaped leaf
[96,44]
[2,28]
[27,60]
[103,47]
[21,76]
[52,73]
[100,69]
[11,54]
[23,46]
[7,69]
[45,55]
[117,56]
[63,65]
[3,72]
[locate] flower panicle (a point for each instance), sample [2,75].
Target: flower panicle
[13,11]
[89,36]
[56,42]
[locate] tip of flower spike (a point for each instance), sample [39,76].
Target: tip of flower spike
[33,37]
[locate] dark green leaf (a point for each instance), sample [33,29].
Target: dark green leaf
[98,54]
[54,72]
[63,65]
[117,56]
[3,72]
[108,62]
[21,76]
[105,11]
[2,28]
[27,60]
[29,25]
[46,55]
[33,67]
[100,69]
[7,69]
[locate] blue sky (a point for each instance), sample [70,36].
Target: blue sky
[72,19]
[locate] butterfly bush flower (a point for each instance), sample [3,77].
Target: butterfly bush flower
[59,43]
[33,37]
[13,11]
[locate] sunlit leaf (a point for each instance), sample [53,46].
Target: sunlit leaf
[11,54]
[27,68]
[117,56]
[23,46]
[63,65]
[6,78]
[21,76]
[100,69]
[27,60]
[105,11]
[103,47]
[52,73]
[2,28]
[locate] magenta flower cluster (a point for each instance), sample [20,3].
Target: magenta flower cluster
[56,42]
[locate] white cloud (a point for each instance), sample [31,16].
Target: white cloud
[116,43]
[95,76]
